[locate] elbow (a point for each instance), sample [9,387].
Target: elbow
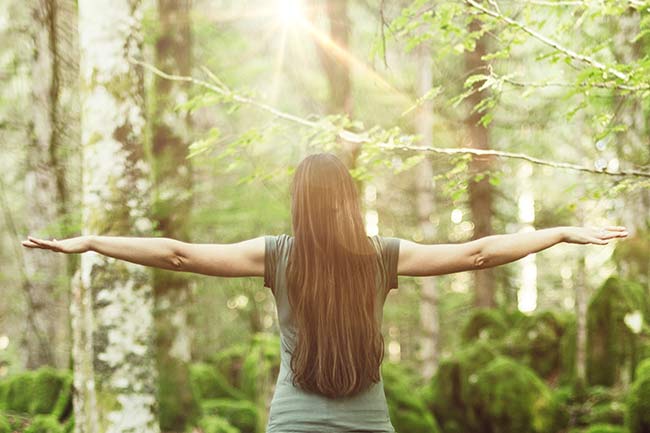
[177,263]
[480,261]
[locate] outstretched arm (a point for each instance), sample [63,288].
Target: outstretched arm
[241,259]
[489,251]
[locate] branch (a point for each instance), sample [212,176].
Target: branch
[540,37]
[355,137]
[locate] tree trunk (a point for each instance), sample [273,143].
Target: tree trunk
[172,205]
[114,363]
[47,334]
[425,199]
[480,193]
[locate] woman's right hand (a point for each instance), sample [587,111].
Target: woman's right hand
[593,235]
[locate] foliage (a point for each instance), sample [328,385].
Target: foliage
[407,410]
[613,347]
[42,391]
[216,424]
[637,416]
[242,414]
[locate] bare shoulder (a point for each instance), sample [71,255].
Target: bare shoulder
[419,260]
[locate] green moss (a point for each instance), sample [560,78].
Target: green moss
[44,424]
[613,350]
[240,413]
[4,394]
[643,369]
[5,427]
[606,428]
[537,342]
[216,424]
[510,397]
[637,416]
[207,383]
[485,324]
[19,397]
[407,409]
[450,391]
[51,392]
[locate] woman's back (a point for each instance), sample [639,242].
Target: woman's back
[295,410]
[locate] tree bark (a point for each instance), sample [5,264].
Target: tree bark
[47,334]
[172,205]
[425,200]
[480,193]
[114,363]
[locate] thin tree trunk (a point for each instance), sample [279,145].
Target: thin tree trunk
[172,205]
[425,199]
[480,193]
[46,340]
[114,365]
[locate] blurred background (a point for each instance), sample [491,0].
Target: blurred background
[458,120]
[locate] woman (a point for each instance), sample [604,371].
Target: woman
[330,281]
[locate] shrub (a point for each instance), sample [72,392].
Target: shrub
[408,412]
[44,424]
[240,413]
[216,424]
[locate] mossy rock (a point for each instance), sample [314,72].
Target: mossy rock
[5,426]
[637,416]
[44,424]
[509,397]
[485,324]
[240,413]
[537,341]
[42,391]
[613,349]
[606,428]
[609,413]
[216,424]
[450,391]
[52,392]
[207,383]
[408,412]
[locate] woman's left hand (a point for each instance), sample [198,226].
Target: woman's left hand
[79,244]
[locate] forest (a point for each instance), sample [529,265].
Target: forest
[458,119]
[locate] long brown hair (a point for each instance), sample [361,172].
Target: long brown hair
[331,283]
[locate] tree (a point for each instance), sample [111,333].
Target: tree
[172,205]
[114,368]
[48,319]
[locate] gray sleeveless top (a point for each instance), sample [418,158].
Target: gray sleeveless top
[294,410]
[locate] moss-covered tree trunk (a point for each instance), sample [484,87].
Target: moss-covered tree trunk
[425,200]
[46,335]
[114,366]
[172,205]
[480,192]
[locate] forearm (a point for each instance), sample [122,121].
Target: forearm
[155,252]
[496,250]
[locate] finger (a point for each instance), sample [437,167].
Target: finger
[30,244]
[616,228]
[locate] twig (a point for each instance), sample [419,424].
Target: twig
[461,150]
[355,137]
[576,56]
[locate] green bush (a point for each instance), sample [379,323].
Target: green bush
[44,424]
[207,383]
[242,414]
[407,409]
[216,424]
[612,347]
[261,366]
[643,369]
